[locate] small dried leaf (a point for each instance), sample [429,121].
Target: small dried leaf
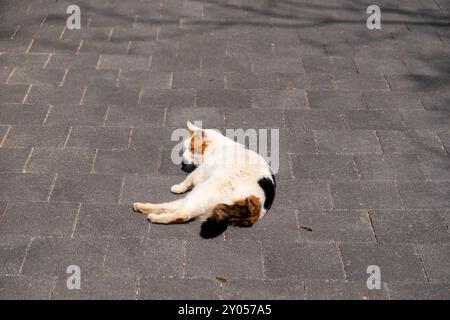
[221,279]
[306,227]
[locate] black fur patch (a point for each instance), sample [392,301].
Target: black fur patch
[268,187]
[211,228]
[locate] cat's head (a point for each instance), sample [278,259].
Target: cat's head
[196,146]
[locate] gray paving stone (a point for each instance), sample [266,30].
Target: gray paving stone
[39,219]
[232,259]
[365,195]
[360,81]
[55,95]
[273,64]
[126,162]
[87,188]
[72,62]
[174,98]
[226,64]
[19,114]
[159,47]
[152,139]
[392,100]
[416,82]
[210,117]
[380,66]
[310,82]
[314,120]
[112,95]
[178,288]
[437,101]
[396,262]
[324,167]
[97,288]
[51,257]
[427,120]
[195,79]
[45,160]
[409,226]
[390,167]
[138,116]
[336,65]
[123,62]
[136,256]
[23,60]
[341,141]
[236,80]
[444,136]
[287,260]
[373,120]
[248,118]
[25,288]
[268,228]
[418,291]
[436,261]
[73,115]
[409,142]
[13,159]
[343,290]
[146,79]
[279,99]
[13,93]
[59,46]
[36,76]
[298,141]
[335,100]
[36,136]
[88,77]
[344,226]
[148,188]
[224,99]
[264,290]
[12,252]
[425,195]
[99,137]
[17,186]
[170,62]
[306,195]
[436,166]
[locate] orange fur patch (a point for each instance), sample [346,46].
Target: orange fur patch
[198,145]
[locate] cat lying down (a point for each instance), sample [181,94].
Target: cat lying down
[228,183]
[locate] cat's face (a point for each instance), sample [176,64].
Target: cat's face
[194,147]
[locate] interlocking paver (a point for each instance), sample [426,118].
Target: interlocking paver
[343,290]
[18,114]
[12,251]
[178,288]
[47,160]
[17,186]
[13,159]
[99,137]
[341,141]
[264,289]
[25,287]
[36,136]
[126,162]
[436,262]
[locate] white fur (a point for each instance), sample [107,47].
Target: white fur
[227,172]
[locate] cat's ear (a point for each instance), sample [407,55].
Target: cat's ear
[192,127]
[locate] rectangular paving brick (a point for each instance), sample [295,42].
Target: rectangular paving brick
[45,160]
[123,62]
[153,139]
[195,79]
[126,162]
[87,188]
[232,259]
[51,256]
[55,95]
[23,60]
[241,289]
[411,226]
[365,195]
[373,120]
[396,262]
[13,159]
[392,100]
[427,120]
[170,62]
[174,98]
[263,64]
[13,93]
[341,141]
[100,220]
[279,99]
[425,195]
[109,95]
[335,100]
[324,167]
[343,290]
[73,62]
[148,188]
[301,194]
[409,142]
[418,291]
[17,186]
[436,166]
[248,118]
[310,82]
[12,252]
[314,120]
[178,288]
[287,260]
[210,117]
[377,66]
[360,81]
[137,116]
[344,226]
[225,99]
[146,79]
[25,288]
[390,167]
[335,65]
[436,262]
[36,76]
[99,137]
[88,77]
[36,136]
[49,219]
[19,114]
[137,256]
[444,136]
[73,115]
[236,80]
[298,141]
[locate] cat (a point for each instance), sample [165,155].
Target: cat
[228,183]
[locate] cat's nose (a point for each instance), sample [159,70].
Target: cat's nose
[188,167]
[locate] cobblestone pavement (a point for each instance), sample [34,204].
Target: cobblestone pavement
[364,118]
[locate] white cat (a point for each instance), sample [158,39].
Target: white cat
[231,185]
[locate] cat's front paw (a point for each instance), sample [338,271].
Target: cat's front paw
[176,188]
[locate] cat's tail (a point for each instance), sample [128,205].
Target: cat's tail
[242,213]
